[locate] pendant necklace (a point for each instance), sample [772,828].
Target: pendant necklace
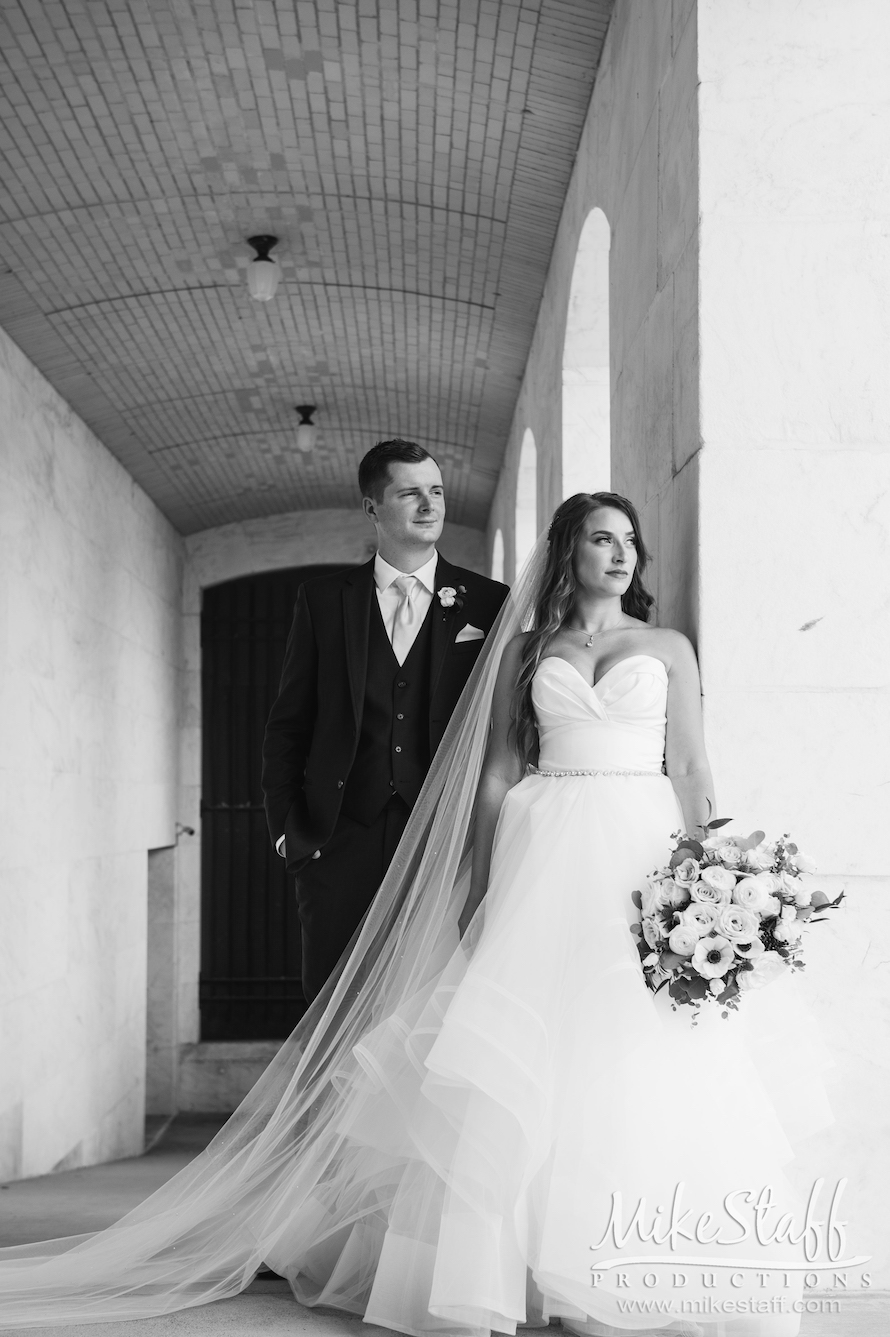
[593,635]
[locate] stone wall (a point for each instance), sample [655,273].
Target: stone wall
[90,593]
[637,163]
[794,496]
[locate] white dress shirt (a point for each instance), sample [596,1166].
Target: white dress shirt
[389,597]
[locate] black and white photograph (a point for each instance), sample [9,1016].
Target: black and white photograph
[444,668]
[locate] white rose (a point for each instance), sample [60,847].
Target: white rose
[714,842]
[700,917]
[792,886]
[772,907]
[788,930]
[652,932]
[753,893]
[704,892]
[804,863]
[760,857]
[766,968]
[716,986]
[730,854]
[734,922]
[447,596]
[654,898]
[683,940]
[677,896]
[686,872]
[721,879]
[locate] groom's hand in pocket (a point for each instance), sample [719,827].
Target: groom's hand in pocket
[281,848]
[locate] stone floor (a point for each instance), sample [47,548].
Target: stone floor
[90,1199]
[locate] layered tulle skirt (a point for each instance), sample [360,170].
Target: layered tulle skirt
[517,1141]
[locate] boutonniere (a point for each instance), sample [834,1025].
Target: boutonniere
[451,598]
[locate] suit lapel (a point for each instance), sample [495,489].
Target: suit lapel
[357,594]
[445,622]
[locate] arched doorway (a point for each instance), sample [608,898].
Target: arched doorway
[250,932]
[526,530]
[586,446]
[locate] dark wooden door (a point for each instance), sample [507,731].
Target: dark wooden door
[250,932]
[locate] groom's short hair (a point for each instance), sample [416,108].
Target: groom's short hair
[373,472]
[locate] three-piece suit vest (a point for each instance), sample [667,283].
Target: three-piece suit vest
[393,753]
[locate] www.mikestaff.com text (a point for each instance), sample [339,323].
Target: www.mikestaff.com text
[774,1304]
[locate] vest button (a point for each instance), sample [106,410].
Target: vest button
[398,749]
[339,784]
[401,684]
[400,717]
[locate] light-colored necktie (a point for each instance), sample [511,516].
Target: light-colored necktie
[404,624]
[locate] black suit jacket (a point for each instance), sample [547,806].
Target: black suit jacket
[313,729]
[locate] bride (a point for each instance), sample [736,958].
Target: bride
[486,1119]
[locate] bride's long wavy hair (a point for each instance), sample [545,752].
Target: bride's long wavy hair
[556,599]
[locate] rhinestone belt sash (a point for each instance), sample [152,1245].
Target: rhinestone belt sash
[534,770]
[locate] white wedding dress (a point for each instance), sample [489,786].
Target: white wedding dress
[438,1146]
[489,1122]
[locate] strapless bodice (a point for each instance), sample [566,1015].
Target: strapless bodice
[618,723]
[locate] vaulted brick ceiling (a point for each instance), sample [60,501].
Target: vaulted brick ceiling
[411,155]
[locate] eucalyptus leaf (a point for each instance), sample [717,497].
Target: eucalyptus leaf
[718,822]
[690,849]
[752,841]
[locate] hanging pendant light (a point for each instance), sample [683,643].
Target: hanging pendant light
[262,273]
[307,432]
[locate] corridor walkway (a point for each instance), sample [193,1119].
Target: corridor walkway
[90,1199]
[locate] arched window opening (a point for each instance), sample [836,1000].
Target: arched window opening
[497,557]
[526,500]
[586,446]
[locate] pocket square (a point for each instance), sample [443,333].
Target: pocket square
[469,633]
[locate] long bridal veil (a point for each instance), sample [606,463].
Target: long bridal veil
[205,1233]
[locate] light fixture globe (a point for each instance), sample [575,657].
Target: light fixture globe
[262,273]
[307,432]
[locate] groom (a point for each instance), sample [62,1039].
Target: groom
[376,659]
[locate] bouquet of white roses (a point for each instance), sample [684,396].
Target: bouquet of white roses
[725,916]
